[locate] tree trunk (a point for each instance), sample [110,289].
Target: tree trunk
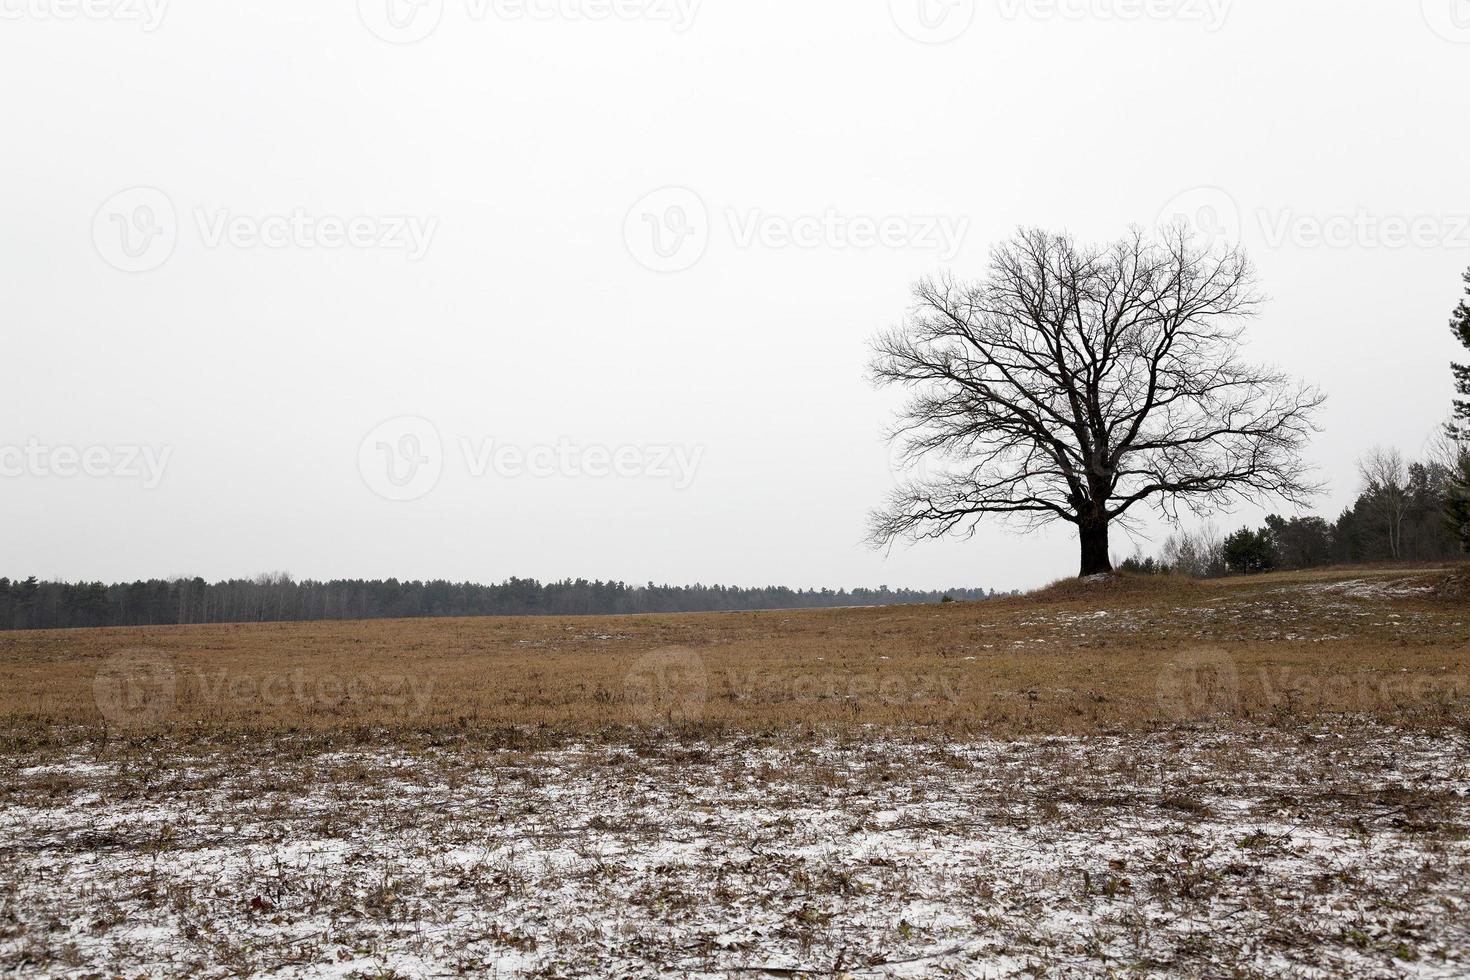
[1095,558]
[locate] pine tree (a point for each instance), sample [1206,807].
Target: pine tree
[1249,552]
[1457,500]
[1460,326]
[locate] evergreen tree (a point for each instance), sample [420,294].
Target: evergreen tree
[1457,501]
[1301,542]
[1460,326]
[1249,552]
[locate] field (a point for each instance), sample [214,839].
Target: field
[1266,776]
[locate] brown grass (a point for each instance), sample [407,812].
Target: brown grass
[1127,655]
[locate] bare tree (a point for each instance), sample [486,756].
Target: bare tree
[1445,450]
[1181,554]
[1198,555]
[1074,383]
[1387,490]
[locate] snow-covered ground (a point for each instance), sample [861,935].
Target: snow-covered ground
[1315,612]
[1268,852]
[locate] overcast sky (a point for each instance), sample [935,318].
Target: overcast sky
[547,288]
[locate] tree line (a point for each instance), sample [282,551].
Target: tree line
[1400,515]
[32,604]
[1419,511]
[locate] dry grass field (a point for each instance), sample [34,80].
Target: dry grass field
[1388,644]
[1262,777]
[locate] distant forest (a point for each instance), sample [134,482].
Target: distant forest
[30,604]
[1400,515]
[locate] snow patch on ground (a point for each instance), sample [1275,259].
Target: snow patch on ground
[1314,854]
[1361,589]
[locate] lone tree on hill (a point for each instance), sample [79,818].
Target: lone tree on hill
[1076,382]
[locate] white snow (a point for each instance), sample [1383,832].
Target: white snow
[1306,853]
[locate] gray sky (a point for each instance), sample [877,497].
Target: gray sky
[548,288]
